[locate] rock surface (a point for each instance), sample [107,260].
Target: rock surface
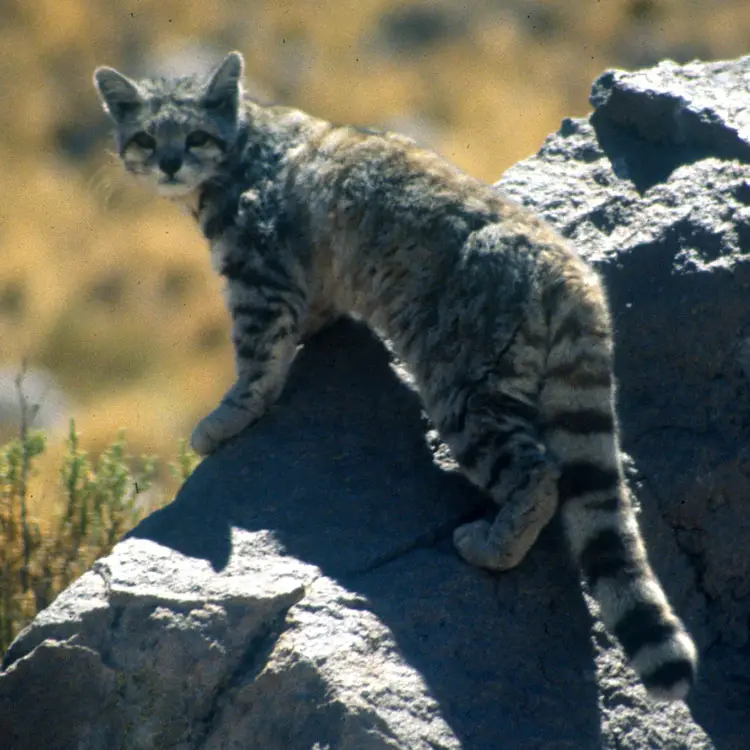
[301,591]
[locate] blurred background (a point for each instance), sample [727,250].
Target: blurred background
[107,292]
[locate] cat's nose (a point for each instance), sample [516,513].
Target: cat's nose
[170,165]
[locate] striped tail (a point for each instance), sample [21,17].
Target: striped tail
[580,428]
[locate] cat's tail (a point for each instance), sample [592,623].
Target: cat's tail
[580,428]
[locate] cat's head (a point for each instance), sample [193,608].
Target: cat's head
[173,134]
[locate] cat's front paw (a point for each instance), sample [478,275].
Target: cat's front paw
[201,441]
[219,426]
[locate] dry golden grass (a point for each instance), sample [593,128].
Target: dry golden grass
[112,291]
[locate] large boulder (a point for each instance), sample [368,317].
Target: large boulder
[301,590]
[654,188]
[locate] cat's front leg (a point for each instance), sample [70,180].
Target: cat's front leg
[265,334]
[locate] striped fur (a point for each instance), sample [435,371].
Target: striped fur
[504,328]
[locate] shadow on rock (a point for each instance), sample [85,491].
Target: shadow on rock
[342,476]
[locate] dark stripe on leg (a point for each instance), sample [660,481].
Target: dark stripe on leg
[234,403]
[219,222]
[455,422]
[514,407]
[249,380]
[494,440]
[644,625]
[501,405]
[262,279]
[469,456]
[570,328]
[573,327]
[247,352]
[411,339]
[259,314]
[251,329]
[501,462]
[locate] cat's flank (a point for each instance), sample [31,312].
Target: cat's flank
[504,328]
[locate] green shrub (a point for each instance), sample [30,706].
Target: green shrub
[98,501]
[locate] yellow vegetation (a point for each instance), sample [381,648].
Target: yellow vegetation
[111,290]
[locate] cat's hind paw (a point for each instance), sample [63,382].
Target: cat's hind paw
[476,543]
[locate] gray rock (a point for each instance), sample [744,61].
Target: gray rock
[301,591]
[654,189]
[699,107]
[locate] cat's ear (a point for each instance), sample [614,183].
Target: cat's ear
[118,93]
[224,89]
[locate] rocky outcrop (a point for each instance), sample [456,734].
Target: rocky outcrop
[668,225]
[301,590]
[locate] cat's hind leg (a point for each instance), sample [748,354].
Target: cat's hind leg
[503,455]
[490,421]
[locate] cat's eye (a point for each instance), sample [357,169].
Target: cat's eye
[144,140]
[197,138]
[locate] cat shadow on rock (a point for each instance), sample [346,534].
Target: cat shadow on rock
[340,473]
